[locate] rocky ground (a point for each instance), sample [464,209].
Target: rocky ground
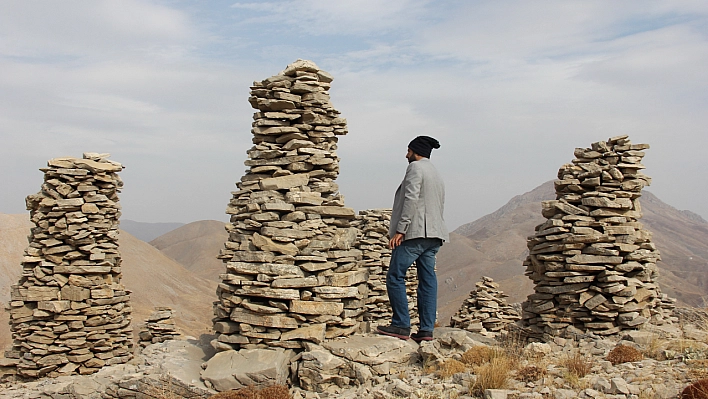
[457,364]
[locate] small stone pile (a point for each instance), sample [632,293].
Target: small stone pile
[373,240]
[486,311]
[592,262]
[69,312]
[159,327]
[291,270]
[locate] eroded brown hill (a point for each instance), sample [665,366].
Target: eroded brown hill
[195,246]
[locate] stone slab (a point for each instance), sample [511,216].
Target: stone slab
[248,367]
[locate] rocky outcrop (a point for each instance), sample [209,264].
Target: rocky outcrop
[292,272]
[165,370]
[375,367]
[69,311]
[159,327]
[486,311]
[592,262]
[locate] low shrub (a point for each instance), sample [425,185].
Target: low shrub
[530,373]
[251,392]
[275,392]
[697,390]
[624,354]
[577,365]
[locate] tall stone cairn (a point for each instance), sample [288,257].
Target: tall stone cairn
[592,262]
[292,272]
[373,240]
[69,311]
[486,310]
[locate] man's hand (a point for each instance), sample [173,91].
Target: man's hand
[396,240]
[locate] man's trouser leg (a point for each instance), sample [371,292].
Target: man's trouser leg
[427,284]
[402,258]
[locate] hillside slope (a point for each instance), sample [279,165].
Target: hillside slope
[195,246]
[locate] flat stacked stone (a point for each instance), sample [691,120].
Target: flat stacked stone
[486,311]
[159,327]
[69,311]
[292,273]
[593,264]
[373,240]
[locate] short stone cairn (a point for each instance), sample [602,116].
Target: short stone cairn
[593,264]
[69,311]
[159,327]
[372,241]
[292,272]
[486,311]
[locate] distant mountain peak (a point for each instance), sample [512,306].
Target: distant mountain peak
[147,231]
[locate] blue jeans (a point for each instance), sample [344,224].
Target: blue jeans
[422,251]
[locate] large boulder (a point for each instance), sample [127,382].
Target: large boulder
[237,369]
[354,360]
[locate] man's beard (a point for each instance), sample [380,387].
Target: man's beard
[411,158]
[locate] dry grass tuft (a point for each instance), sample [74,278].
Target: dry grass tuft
[578,365]
[624,354]
[480,354]
[450,367]
[513,342]
[654,349]
[164,388]
[251,392]
[647,394]
[530,373]
[492,375]
[575,381]
[697,390]
[698,368]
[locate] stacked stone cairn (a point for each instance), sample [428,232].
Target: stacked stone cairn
[593,264]
[486,311]
[69,311]
[292,273]
[159,327]
[373,240]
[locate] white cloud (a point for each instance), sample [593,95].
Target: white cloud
[347,17]
[38,29]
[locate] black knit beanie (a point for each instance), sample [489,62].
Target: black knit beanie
[423,145]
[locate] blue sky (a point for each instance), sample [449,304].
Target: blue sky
[509,88]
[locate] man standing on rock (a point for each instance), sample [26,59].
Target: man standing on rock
[417,231]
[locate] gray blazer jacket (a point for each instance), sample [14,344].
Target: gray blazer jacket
[419,203]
